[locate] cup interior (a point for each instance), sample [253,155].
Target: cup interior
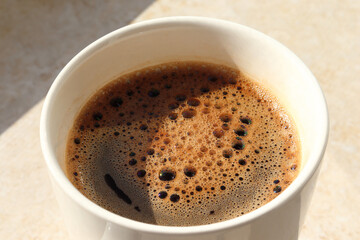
[180,39]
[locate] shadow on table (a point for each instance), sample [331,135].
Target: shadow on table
[39,37]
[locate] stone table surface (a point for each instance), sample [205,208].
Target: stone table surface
[38,37]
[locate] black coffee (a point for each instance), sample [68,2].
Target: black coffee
[180,144]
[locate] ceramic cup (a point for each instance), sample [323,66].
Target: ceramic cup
[176,39]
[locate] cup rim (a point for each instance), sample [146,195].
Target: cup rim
[60,178]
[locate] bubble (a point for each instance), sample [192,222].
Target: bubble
[173,116]
[141,173]
[246,120]
[116,102]
[198,188]
[225,126]
[227,153]
[218,133]
[97,116]
[225,117]
[75,174]
[173,105]
[190,171]
[242,162]
[205,110]
[293,167]
[116,133]
[162,194]
[153,93]
[203,149]
[189,113]
[143,127]
[241,132]
[167,175]
[132,162]
[238,145]
[150,151]
[77,141]
[222,187]
[194,102]
[276,181]
[174,197]
[131,154]
[277,189]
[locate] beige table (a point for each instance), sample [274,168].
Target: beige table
[325,34]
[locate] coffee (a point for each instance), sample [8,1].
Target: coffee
[182,144]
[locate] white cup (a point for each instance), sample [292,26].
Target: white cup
[186,38]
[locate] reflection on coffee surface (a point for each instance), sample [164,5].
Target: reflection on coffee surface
[180,144]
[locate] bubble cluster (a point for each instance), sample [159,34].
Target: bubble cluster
[185,143]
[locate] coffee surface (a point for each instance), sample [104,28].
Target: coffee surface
[181,144]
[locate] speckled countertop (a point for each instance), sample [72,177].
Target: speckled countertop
[38,37]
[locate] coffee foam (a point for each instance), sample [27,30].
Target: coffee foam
[182,144]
